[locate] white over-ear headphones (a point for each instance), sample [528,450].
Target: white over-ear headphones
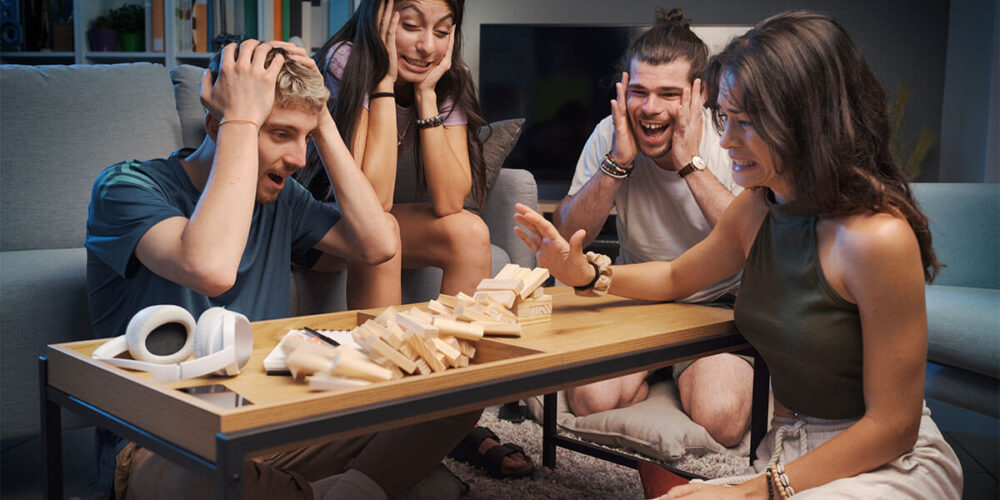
[222,342]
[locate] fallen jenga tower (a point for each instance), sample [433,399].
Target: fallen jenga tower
[397,343]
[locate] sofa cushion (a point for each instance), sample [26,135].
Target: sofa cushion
[963,388]
[657,427]
[187,92]
[499,138]
[963,328]
[43,296]
[513,186]
[60,126]
[966,236]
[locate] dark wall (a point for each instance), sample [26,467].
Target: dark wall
[905,41]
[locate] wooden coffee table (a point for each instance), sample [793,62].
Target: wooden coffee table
[588,339]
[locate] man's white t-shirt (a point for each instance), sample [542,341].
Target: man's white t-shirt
[658,217]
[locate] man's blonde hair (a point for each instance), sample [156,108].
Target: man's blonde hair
[298,86]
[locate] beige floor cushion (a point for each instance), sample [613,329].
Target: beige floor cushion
[657,427]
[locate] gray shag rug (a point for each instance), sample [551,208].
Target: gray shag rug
[576,475]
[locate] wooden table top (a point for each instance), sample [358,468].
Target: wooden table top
[582,330]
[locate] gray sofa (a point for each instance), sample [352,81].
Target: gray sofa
[59,127]
[963,303]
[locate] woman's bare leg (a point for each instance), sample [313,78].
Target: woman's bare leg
[459,244]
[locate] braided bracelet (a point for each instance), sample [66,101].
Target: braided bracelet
[602,277]
[225,121]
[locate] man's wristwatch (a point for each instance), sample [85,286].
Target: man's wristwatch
[696,164]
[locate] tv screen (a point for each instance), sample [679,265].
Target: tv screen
[560,79]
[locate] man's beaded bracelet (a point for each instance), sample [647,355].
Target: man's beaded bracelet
[613,169]
[434,121]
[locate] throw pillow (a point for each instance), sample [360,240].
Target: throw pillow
[187,94]
[496,146]
[657,427]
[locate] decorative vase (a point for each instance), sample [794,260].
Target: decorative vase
[102,39]
[132,41]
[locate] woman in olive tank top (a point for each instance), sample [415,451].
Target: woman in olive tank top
[834,253]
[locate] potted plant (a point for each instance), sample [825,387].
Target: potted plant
[103,38]
[130,21]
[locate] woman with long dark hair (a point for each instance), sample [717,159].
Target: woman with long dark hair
[406,106]
[834,253]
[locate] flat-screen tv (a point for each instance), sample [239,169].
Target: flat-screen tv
[560,79]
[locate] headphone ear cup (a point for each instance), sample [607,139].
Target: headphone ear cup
[208,332]
[147,321]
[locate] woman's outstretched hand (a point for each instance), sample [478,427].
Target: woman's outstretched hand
[564,259]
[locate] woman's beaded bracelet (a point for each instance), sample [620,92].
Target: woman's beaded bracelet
[602,277]
[434,121]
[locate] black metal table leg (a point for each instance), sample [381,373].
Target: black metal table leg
[51,416]
[550,407]
[758,416]
[229,468]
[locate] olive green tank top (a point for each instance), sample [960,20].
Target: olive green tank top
[808,334]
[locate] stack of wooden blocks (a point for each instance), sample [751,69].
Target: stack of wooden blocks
[397,343]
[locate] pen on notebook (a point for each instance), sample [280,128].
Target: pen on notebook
[320,336]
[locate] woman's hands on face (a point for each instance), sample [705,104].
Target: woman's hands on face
[434,75]
[388,21]
[244,89]
[564,260]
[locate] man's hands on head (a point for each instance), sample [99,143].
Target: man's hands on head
[244,89]
[564,259]
[623,150]
[686,140]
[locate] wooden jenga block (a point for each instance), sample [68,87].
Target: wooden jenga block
[450,353]
[406,350]
[439,308]
[501,329]
[452,341]
[417,326]
[420,314]
[503,313]
[530,311]
[467,348]
[539,293]
[327,382]
[471,312]
[464,298]
[463,361]
[532,281]
[502,297]
[459,329]
[349,366]
[448,300]
[422,367]
[388,314]
[418,344]
[377,345]
[508,271]
[521,273]
[303,362]
[511,284]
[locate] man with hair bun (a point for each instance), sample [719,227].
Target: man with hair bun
[219,226]
[657,160]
